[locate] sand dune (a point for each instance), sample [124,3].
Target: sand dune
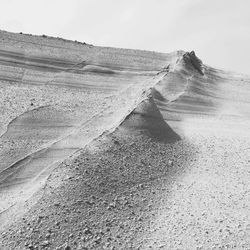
[106,148]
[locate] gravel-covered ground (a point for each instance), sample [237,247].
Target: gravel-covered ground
[131,192]
[106,196]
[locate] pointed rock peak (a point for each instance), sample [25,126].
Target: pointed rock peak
[191,59]
[146,119]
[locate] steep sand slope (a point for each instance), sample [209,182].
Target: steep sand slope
[121,149]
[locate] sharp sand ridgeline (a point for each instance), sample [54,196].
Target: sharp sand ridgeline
[108,148]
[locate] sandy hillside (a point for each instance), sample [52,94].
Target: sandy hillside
[106,148]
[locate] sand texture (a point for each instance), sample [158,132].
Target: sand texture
[107,148]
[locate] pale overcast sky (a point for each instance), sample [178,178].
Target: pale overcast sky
[218,30]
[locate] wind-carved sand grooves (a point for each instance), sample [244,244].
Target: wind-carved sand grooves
[161,164]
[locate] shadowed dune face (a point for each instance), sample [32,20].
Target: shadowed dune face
[147,119]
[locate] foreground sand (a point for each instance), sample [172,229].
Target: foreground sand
[143,151]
